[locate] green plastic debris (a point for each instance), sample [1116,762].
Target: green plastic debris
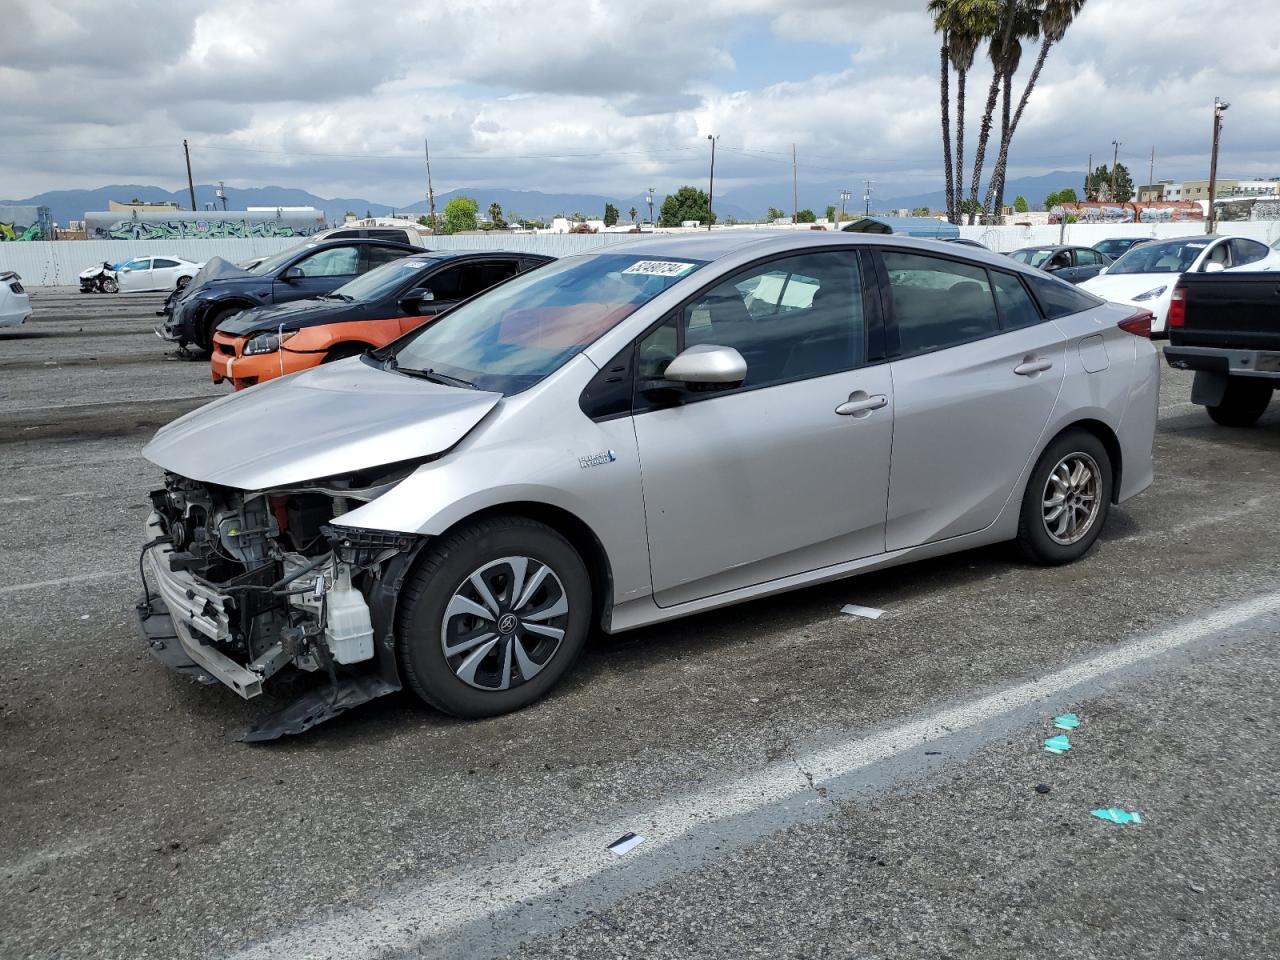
[1117,815]
[1058,744]
[1068,721]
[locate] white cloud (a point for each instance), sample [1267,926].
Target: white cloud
[604,96]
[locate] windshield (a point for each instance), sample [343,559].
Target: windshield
[383,280]
[273,262]
[1032,256]
[1171,256]
[514,335]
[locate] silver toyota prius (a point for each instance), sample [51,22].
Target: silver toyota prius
[627,436]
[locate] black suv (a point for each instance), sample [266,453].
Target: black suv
[222,289]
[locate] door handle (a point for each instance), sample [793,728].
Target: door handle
[860,405]
[1034,365]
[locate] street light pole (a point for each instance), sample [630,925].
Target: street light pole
[711,187]
[1115,160]
[1219,107]
[844,198]
[648,198]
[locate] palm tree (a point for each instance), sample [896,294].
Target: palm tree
[495,213]
[941,21]
[632,211]
[1052,18]
[967,23]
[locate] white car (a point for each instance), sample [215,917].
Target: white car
[1147,274]
[15,305]
[155,273]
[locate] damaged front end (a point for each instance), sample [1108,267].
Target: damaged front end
[243,586]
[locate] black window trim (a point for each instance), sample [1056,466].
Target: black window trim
[873,333]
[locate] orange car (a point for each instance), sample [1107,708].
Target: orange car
[370,311]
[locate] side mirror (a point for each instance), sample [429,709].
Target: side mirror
[412,301]
[1213,266]
[709,366]
[292,274]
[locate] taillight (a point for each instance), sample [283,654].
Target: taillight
[1178,308]
[1139,324]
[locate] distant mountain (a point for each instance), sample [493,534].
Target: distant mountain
[1034,189]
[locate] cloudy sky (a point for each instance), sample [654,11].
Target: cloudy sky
[592,96]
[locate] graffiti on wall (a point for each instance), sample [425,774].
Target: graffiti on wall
[129,229]
[1093,211]
[15,231]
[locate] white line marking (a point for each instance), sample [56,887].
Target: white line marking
[481,891]
[63,581]
[853,610]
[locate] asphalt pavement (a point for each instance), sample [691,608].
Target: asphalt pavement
[808,784]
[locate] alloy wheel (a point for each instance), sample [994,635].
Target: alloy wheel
[1072,498]
[504,623]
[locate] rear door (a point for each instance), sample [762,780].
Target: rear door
[1088,264]
[323,271]
[977,373]
[164,274]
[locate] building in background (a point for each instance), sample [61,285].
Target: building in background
[203,224]
[25,223]
[1199,189]
[142,205]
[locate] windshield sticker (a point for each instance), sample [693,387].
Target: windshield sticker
[1197,246]
[659,268]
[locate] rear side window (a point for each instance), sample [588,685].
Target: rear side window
[377,256]
[481,276]
[1087,258]
[938,303]
[1058,298]
[160,264]
[1017,309]
[1244,250]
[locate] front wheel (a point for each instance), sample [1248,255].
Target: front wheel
[493,616]
[109,285]
[182,283]
[1066,500]
[1243,402]
[204,336]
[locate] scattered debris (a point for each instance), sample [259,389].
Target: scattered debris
[626,843]
[933,753]
[1195,888]
[853,610]
[1058,744]
[1042,788]
[1068,721]
[1117,815]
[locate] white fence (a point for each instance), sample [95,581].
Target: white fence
[1009,238]
[56,263]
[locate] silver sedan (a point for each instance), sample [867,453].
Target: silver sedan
[629,436]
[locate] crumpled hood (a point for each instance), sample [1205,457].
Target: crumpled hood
[1126,286]
[323,422]
[292,316]
[215,268]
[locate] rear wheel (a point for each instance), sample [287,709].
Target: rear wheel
[1242,404]
[1066,500]
[493,616]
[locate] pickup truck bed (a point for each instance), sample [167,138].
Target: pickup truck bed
[1226,327]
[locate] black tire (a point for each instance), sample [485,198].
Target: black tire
[109,285]
[344,350]
[182,283]
[1034,539]
[1242,404]
[204,336]
[446,567]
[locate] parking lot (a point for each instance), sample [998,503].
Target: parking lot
[808,783]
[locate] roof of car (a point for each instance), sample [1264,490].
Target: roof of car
[1054,246]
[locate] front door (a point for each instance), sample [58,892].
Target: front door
[973,392]
[322,272]
[786,473]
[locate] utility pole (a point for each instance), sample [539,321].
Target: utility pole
[190,183]
[866,197]
[431,193]
[844,198]
[711,187]
[648,198]
[1219,107]
[1151,170]
[1115,160]
[795,192]
[1088,175]
[222,194]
